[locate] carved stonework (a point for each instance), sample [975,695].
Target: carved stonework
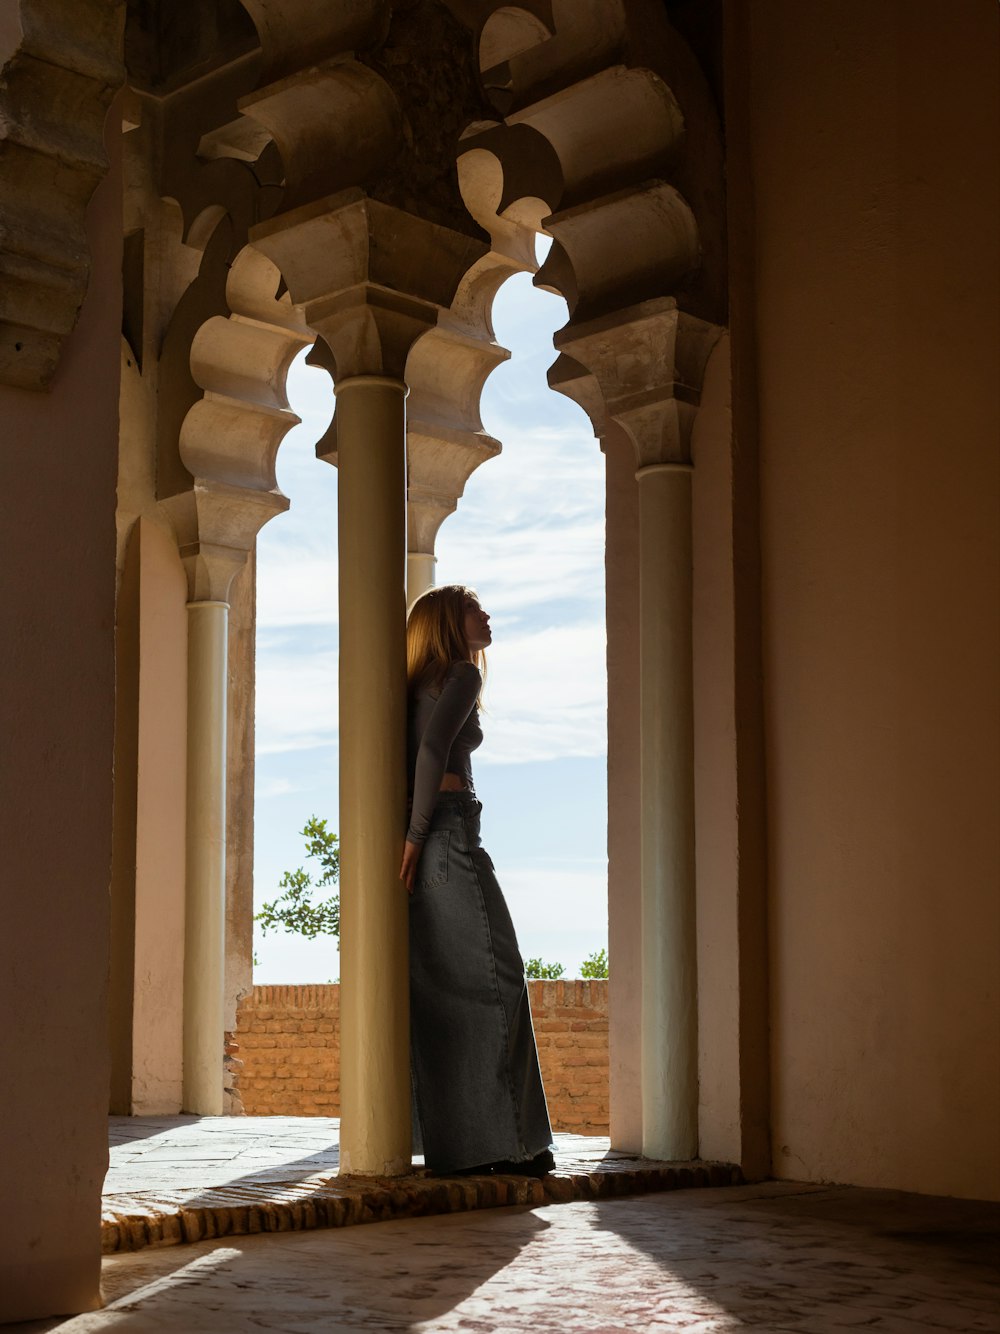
[56,85]
[642,368]
[594,150]
[370,279]
[229,438]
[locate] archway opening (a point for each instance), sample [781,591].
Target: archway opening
[529,534]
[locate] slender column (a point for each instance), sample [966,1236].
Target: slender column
[374,1018]
[624,793]
[669,977]
[205,895]
[419,574]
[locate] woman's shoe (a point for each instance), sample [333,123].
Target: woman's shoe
[539,1166]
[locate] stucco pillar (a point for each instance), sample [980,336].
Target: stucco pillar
[205,895]
[642,370]
[374,282]
[669,970]
[374,1019]
[419,574]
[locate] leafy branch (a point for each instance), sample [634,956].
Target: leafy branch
[294,910]
[595,965]
[535,969]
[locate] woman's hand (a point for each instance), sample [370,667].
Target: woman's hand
[411,856]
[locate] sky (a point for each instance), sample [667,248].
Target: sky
[529,536]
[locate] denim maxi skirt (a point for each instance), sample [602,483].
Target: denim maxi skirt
[477,1089]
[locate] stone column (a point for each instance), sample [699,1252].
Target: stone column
[419,574]
[227,443]
[373,282]
[669,1035]
[205,896]
[641,369]
[374,1018]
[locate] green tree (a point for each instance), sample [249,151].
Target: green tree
[535,969]
[295,910]
[595,965]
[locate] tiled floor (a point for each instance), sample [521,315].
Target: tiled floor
[179,1153]
[781,1258]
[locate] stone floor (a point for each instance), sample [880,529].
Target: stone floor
[177,1154]
[777,1257]
[187,1179]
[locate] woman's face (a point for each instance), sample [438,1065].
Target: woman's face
[477,626]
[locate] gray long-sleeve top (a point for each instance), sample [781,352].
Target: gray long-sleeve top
[443,732]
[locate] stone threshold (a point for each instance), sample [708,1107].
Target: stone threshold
[137,1220]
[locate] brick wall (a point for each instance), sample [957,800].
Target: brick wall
[289,1044]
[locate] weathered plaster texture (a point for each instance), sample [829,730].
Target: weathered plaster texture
[60,452]
[877,327]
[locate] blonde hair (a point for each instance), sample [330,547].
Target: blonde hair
[435,635]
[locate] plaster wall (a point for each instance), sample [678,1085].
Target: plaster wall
[151,761]
[58,668]
[874,137]
[717,852]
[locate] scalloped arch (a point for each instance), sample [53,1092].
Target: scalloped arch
[507,33]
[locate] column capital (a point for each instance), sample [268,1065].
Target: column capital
[370,278]
[658,469]
[371,382]
[643,368]
[216,526]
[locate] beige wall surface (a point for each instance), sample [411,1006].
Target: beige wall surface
[58,609]
[716,839]
[874,144]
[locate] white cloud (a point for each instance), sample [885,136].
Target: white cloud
[296,699]
[518,570]
[273,787]
[296,586]
[546,694]
[310,395]
[553,900]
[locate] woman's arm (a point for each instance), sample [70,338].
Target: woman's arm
[457,700]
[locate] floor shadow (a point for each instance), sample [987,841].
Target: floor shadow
[398,1276]
[324,1160]
[122,1129]
[790,1257]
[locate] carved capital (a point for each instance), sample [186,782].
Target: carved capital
[215,526]
[643,368]
[369,278]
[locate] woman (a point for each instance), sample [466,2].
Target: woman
[477,1093]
